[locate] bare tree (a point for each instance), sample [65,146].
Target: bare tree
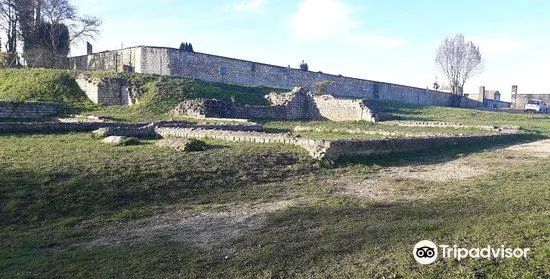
[59,26]
[459,61]
[47,29]
[61,12]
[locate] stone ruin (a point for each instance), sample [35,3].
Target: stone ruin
[183,136]
[298,104]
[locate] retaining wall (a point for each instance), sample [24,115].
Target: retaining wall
[28,110]
[213,68]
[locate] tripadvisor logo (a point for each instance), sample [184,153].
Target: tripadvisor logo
[426,252]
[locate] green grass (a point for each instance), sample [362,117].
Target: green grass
[531,122]
[338,129]
[28,85]
[157,95]
[59,191]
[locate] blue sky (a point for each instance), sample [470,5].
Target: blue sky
[393,41]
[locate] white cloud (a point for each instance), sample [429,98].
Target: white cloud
[317,19]
[249,5]
[334,19]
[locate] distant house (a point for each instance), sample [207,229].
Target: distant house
[491,98]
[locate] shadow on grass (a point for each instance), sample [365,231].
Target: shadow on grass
[332,238]
[434,155]
[326,236]
[117,178]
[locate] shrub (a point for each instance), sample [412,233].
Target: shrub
[186,47]
[304,66]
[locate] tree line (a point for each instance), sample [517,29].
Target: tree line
[44,30]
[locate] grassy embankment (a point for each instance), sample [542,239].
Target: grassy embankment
[156,95]
[40,85]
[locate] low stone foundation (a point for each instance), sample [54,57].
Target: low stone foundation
[28,110]
[56,127]
[333,149]
[394,134]
[339,148]
[63,127]
[451,125]
[318,149]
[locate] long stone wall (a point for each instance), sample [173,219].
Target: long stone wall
[207,67]
[109,60]
[28,110]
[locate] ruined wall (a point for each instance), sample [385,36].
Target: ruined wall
[333,109]
[105,91]
[520,100]
[89,86]
[28,110]
[295,105]
[259,112]
[207,67]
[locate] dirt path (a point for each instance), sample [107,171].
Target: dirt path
[216,229]
[207,230]
[537,149]
[381,185]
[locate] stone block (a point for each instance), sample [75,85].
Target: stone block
[183,144]
[120,140]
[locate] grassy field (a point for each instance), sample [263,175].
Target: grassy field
[61,192]
[536,123]
[73,207]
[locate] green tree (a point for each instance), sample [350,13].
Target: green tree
[186,47]
[304,66]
